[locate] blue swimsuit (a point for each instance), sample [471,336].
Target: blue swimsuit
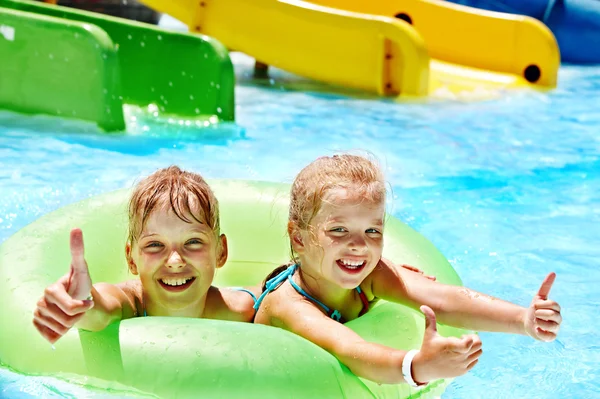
[276,281]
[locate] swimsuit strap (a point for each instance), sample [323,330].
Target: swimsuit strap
[334,314]
[273,283]
[276,281]
[245,290]
[364,300]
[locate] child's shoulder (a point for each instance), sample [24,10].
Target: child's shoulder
[133,293]
[236,304]
[284,302]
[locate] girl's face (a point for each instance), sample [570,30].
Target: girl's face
[176,260]
[346,241]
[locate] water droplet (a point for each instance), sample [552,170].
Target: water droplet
[169,336]
[197,110]
[171,84]
[142,44]
[159,37]
[129,37]
[182,73]
[198,353]
[219,110]
[51,56]
[191,97]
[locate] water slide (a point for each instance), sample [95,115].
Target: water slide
[442,48]
[575,23]
[76,64]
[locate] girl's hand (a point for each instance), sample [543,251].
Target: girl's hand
[442,357]
[543,319]
[65,302]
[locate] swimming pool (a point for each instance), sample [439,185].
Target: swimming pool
[508,190]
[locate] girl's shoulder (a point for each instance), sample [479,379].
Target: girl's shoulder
[130,295]
[235,304]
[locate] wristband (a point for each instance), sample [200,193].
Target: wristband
[407,369]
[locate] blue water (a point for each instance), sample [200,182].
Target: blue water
[508,189]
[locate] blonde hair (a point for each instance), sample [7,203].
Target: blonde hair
[338,171]
[311,185]
[185,193]
[353,172]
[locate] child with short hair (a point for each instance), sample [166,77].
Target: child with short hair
[174,245]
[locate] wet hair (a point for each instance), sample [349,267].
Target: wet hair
[358,174]
[352,172]
[185,193]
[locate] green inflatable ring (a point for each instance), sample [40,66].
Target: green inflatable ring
[191,358]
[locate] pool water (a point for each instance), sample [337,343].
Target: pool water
[508,189]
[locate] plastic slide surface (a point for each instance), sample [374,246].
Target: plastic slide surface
[364,48]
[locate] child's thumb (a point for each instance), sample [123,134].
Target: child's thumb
[77,252]
[430,324]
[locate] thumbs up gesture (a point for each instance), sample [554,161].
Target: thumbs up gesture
[65,302]
[442,357]
[543,319]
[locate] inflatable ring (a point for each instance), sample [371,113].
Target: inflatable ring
[179,357]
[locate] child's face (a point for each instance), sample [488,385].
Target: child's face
[349,238]
[176,260]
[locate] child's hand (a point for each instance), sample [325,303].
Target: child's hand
[442,357]
[542,320]
[65,302]
[417,270]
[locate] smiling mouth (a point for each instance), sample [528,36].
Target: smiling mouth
[352,267]
[176,284]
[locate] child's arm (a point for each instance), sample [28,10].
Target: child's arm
[111,303]
[461,307]
[73,301]
[439,357]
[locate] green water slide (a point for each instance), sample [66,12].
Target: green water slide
[77,64]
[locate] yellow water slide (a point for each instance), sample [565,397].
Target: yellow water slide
[362,44]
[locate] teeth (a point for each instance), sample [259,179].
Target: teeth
[351,263]
[175,281]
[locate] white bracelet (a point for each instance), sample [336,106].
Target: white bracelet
[407,368]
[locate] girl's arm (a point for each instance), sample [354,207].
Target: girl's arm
[462,307]
[111,303]
[439,357]
[68,301]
